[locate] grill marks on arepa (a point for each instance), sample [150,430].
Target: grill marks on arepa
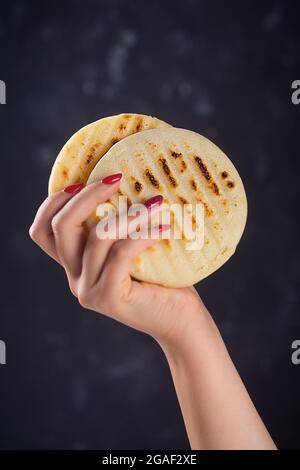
[85,150]
[203,168]
[169,173]
[210,207]
[169,166]
[169,176]
[168,169]
[215,206]
[146,158]
[86,147]
[163,161]
[191,181]
[149,175]
[218,200]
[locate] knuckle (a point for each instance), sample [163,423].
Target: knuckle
[83,297]
[57,224]
[73,288]
[34,232]
[118,253]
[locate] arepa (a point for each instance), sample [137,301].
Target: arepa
[185,168]
[84,149]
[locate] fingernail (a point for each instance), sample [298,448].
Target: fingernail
[74,188]
[154,201]
[163,227]
[112,178]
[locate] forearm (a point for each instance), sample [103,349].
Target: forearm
[216,407]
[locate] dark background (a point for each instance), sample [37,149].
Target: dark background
[77,380]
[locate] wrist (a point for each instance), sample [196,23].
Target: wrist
[198,332]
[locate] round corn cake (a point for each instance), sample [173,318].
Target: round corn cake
[84,149]
[186,168]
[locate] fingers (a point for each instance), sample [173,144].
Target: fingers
[58,229]
[67,225]
[115,276]
[94,256]
[97,247]
[41,230]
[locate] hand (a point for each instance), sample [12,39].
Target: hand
[98,270]
[217,410]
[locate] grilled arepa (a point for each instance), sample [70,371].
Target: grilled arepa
[84,149]
[186,168]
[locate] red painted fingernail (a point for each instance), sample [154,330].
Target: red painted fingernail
[111,179]
[163,227]
[74,188]
[154,201]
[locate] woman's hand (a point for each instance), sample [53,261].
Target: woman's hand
[98,270]
[216,407]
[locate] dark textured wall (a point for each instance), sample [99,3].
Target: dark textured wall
[74,379]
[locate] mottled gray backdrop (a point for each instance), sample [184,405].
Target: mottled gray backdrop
[77,380]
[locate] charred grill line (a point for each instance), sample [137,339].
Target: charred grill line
[151,178]
[207,175]
[167,171]
[176,154]
[193,185]
[138,187]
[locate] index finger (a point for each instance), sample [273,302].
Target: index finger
[41,231]
[69,231]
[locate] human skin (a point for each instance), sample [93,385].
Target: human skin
[217,410]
